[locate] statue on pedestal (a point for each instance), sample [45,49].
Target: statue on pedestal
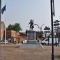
[31,24]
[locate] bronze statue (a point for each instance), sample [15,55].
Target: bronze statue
[31,24]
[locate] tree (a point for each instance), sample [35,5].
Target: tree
[16,27]
[10,27]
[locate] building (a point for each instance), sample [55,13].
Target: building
[11,36]
[2,29]
[14,37]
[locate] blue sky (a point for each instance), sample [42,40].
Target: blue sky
[21,11]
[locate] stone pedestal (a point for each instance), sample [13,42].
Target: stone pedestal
[31,37]
[31,41]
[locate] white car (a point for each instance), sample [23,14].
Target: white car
[46,41]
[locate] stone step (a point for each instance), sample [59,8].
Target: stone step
[31,46]
[31,41]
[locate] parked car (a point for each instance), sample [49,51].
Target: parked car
[49,41]
[4,41]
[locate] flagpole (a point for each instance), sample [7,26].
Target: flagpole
[5,29]
[5,26]
[3,9]
[0,29]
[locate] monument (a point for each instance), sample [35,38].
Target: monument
[31,38]
[31,34]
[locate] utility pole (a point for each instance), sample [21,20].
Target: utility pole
[52,13]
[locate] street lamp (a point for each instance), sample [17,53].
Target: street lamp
[52,13]
[39,27]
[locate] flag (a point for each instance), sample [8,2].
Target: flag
[3,9]
[53,8]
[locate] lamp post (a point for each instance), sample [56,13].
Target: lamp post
[39,27]
[52,13]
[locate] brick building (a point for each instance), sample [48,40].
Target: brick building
[22,36]
[15,37]
[11,36]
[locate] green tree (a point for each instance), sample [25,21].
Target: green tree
[10,27]
[16,27]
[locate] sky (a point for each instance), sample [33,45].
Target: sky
[22,11]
